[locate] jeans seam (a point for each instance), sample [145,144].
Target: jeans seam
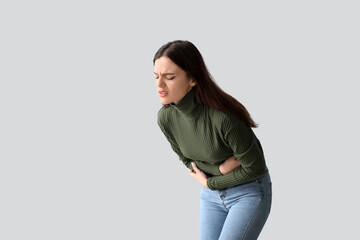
[252,218]
[225,206]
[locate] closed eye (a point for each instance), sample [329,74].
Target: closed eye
[167,76]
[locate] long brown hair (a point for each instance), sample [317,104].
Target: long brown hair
[187,57]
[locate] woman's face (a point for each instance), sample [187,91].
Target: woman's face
[171,81]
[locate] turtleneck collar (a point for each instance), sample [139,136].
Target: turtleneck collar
[188,105]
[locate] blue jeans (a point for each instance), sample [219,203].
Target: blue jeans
[235,213]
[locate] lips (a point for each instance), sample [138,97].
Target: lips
[163,93]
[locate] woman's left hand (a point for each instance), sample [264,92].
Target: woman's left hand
[199,175]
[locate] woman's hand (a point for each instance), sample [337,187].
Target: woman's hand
[229,165]
[199,175]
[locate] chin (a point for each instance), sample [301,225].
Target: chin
[165,102]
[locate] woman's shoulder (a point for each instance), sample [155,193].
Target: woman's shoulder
[230,126]
[161,115]
[164,114]
[222,117]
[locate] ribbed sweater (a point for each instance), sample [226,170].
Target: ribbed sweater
[201,134]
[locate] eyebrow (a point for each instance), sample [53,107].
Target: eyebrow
[166,74]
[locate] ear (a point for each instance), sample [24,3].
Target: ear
[192,82]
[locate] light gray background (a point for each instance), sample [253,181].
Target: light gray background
[81,153]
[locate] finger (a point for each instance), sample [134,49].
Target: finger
[194,166]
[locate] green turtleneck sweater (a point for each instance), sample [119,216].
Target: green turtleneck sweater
[201,134]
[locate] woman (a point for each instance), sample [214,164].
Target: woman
[212,134]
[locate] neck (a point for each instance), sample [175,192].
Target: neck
[188,105]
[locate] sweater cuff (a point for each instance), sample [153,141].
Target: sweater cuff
[208,182]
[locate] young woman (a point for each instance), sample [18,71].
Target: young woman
[212,134]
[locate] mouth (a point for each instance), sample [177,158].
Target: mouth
[163,94]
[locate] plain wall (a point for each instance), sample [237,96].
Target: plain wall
[82,157]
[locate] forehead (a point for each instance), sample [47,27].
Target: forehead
[164,65]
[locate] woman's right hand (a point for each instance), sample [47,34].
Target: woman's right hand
[229,165]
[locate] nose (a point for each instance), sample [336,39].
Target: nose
[160,82]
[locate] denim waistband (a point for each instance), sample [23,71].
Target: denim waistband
[263,178]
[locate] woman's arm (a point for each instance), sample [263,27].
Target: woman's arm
[229,165]
[199,175]
[212,169]
[247,150]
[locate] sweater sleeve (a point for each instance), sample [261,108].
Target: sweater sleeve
[205,167]
[208,168]
[247,150]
